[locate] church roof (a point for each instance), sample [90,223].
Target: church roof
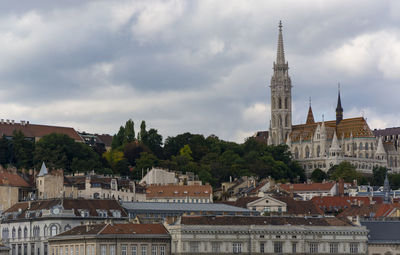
[358,127]
[310,116]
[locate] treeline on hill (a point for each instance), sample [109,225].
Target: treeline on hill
[348,173]
[212,159]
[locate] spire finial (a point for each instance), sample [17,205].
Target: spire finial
[280,56]
[309,99]
[323,118]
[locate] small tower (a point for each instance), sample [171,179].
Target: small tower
[339,109]
[386,190]
[281,96]
[310,115]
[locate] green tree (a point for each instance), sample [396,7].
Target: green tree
[146,161]
[22,149]
[129,132]
[143,133]
[379,174]
[5,151]
[345,171]
[318,175]
[59,151]
[186,152]
[154,142]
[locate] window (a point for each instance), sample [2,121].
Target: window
[4,233]
[66,250]
[134,250]
[278,247]
[153,250]
[33,249]
[71,250]
[294,247]
[313,247]
[26,249]
[45,249]
[77,250]
[124,250]
[237,247]
[19,233]
[262,247]
[144,249]
[194,246]
[25,232]
[19,249]
[333,248]
[162,250]
[13,249]
[103,249]
[53,230]
[112,250]
[353,247]
[215,247]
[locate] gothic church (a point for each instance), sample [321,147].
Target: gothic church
[326,143]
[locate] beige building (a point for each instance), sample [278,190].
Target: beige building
[266,235]
[55,185]
[179,193]
[13,188]
[112,239]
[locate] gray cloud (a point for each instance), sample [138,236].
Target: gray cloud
[197,66]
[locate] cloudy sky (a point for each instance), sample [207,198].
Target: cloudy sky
[195,66]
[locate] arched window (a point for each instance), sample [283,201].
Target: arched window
[366,155]
[53,230]
[273,120]
[25,232]
[67,227]
[19,233]
[354,146]
[286,120]
[348,147]
[391,161]
[279,103]
[296,153]
[286,103]
[4,234]
[307,152]
[360,147]
[318,151]
[366,146]
[372,146]
[280,121]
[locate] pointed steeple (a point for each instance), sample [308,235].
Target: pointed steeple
[280,56]
[310,115]
[380,150]
[339,109]
[335,143]
[43,170]
[386,190]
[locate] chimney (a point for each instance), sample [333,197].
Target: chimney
[2,121]
[7,121]
[22,122]
[12,122]
[341,187]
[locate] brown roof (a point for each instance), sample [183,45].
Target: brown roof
[240,202]
[260,220]
[387,131]
[358,127]
[117,229]
[171,190]
[336,203]
[91,205]
[106,139]
[299,187]
[33,130]
[11,179]
[369,211]
[294,207]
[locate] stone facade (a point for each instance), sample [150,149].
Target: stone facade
[326,143]
[265,235]
[27,226]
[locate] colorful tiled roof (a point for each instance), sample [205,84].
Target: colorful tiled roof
[358,127]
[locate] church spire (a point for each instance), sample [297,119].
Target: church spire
[339,109]
[310,115]
[280,56]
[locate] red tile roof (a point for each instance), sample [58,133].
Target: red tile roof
[117,229]
[329,203]
[11,179]
[370,211]
[294,207]
[302,187]
[165,191]
[34,130]
[261,220]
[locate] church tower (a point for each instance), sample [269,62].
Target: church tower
[339,109]
[281,97]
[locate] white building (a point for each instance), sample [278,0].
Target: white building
[27,226]
[266,235]
[159,176]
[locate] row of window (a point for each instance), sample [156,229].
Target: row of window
[109,250]
[278,247]
[23,249]
[19,233]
